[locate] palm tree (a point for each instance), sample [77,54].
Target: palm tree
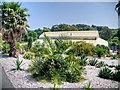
[14,24]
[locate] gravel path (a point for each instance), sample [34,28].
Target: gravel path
[23,79]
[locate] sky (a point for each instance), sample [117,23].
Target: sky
[47,14]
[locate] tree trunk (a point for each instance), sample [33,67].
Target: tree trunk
[13,50]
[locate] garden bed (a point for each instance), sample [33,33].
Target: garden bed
[23,79]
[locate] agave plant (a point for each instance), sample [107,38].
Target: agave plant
[105,73]
[100,64]
[18,64]
[88,86]
[93,62]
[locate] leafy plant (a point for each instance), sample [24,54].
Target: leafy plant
[105,73]
[5,47]
[28,55]
[53,64]
[18,64]
[88,86]
[93,62]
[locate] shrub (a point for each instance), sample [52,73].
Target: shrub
[117,67]
[100,64]
[116,76]
[28,55]
[102,50]
[83,48]
[5,47]
[53,64]
[93,62]
[74,70]
[105,73]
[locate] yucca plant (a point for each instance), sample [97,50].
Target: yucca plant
[88,86]
[93,62]
[105,73]
[18,64]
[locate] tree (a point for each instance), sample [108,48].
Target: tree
[118,34]
[14,24]
[33,34]
[106,33]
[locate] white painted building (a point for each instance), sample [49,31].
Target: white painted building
[86,36]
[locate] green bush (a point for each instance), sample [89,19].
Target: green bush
[53,64]
[28,55]
[102,50]
[93,62]
[105,73]
[79,48]
[5,47]
[116,76]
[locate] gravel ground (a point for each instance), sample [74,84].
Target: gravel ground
[23,79]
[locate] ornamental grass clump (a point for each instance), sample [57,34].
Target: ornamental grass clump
[52,64]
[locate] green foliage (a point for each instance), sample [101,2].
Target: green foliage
[18,64]
[52,63]
[83,60]
[24,46]
[106,33]
[30,40]
[114,41]
[74,70]
[5,47]
[117,67]
[102,50]
[105,73]
[79,48]
[118,34]
[93,62]
[28,55]
[116,76]
[18,46]
[88,86]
